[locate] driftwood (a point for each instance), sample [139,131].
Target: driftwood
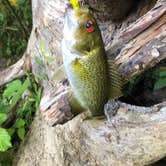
[134,139]
[137,135]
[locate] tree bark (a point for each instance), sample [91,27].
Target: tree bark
[137,135]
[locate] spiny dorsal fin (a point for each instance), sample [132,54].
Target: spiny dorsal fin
[116,83]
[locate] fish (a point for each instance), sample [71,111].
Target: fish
[93,76]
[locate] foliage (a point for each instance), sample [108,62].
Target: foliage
[15,27]
[3,117]
[12,94]
[22,97]
[4,136]
[151,80]
[4,140]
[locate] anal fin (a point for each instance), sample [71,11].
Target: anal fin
[75,105]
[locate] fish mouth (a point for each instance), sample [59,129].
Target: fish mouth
[70,26]
[71,20]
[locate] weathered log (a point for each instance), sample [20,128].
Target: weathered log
[139,138]
[135,138]
[14,71]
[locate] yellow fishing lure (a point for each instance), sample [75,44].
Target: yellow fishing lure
[75,4]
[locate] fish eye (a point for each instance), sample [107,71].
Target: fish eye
[89,26]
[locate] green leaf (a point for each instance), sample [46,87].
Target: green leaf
[41,76]
[11,131]
[9,62]
[4,140]
[21,2]
[36,78]
[31,100]
[1,17]
[14,91]
[38,96]
[21,133]
[12,88]
[39,61]
[160,83]
[4,108]
[162,74]
[19,123]
[25,85]
[3,117]
[49,58]
[42,47]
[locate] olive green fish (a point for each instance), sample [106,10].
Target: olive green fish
[94,78]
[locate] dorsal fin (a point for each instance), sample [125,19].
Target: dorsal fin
[115,78]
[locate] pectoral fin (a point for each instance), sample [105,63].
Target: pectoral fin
[116,82]
[80,71]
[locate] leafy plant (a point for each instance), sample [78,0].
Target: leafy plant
[151,80]
[26,106]
[15,28]
[10,98]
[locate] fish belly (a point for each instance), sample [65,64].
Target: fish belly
[88,79]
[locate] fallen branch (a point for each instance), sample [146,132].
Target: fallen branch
[13,72]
